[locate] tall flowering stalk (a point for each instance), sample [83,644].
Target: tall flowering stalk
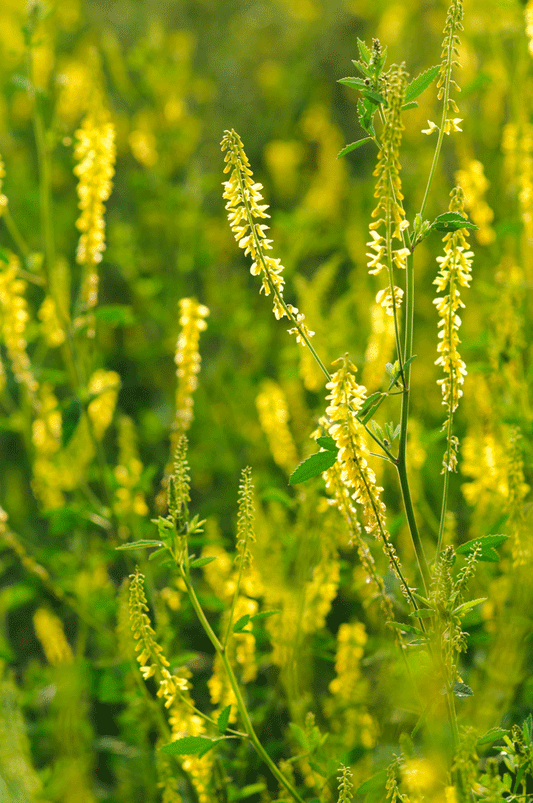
[245,213]
[95,155]
[454,273]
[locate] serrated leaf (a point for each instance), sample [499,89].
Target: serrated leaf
[452,221]
[412,105]
[139,545]
[364,51]
[223,719]
[188,746]
[157,553]
[370,401]
[487,543]
[407,628]
[195,564]
[359,83]
[374,783]
[462,690]
[241,623]
[491,736]
[421,82]
[262,615]
[300,735]
[312,467]
[327,442]
[375,97]
[362,67]
[422,613]
[470,604]
[353,146]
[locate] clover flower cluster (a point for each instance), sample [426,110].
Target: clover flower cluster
[345,398]
[187,359]
[245,209]
[273,413]
[150,658]
[95,155]
[388,191]
[455,272]
[13,322]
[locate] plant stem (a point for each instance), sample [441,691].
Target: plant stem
[401,462]
[241,705]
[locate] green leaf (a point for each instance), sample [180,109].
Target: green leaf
[139,545]
[359,83]
[312,467]
[373,784]
[412,105]
[366,110]
[189,746]
[241,623]
[421,82]
[300,735]
[3,256]
[71,418]
[202,561]
[423,613]
[452,221]
[376,98]
[327,442]
[153,555]
[246,791]
[487,543]
[115,314]
[461,609]
[223,719]
[407,628]
[353,146]
[491,736]
[462,690]
[364,51]
[262,615]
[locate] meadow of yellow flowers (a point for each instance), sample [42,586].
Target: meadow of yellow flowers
[256,556]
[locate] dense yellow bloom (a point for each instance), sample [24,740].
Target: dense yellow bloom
[380,346]
[51,327]
[474,184]
[14,318]
[187,359]
[320,592]
[49,631]
[528,14]
[345,398]
[95,156]
[455,272]
[151,659]
[273,416]
[46,438]
[244,207]
[105,386]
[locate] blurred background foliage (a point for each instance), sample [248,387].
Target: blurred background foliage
[174,75]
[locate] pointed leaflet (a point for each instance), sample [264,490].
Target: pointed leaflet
[223,720]
[487,544]
[451,221]
[421,82]
[312,467]
[189,746]
[353,146]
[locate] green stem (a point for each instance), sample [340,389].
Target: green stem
[241,705]
[401,461]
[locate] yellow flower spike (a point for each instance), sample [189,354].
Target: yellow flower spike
[49,631]
[245,209]
[188,360]
[274,416]
[105,385]
[14,318]
[95,155]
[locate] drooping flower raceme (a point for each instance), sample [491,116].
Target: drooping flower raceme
[455,272]
[245,213]
[95,156]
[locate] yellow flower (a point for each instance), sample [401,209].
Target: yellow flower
[244,207]
[187,359]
